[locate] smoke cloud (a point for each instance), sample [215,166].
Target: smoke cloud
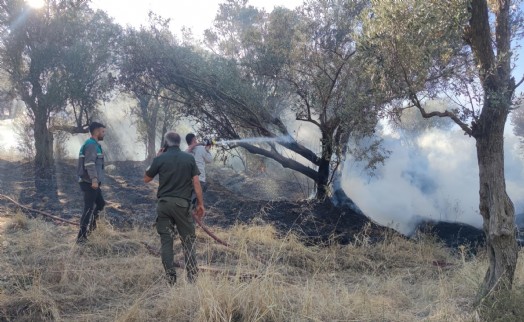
[432,176]
[121,141]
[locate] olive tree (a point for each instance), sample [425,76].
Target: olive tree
[60,60]
[155,111]
[263,67]
[419,50]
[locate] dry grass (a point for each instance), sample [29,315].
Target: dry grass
[44,276]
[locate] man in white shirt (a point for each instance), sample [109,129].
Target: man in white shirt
[202,157]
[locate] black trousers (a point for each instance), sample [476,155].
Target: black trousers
[93,203]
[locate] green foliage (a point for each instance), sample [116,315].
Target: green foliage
[59,58]
[307,54]
[261,67]
[417,48]
[90,62]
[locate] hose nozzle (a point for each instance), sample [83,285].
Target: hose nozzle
[208,142]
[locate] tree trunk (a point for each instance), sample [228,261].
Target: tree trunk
[43,146]
[496,207]
[324,167]
[45,179]
[323,178]
[164,131]
[151,140]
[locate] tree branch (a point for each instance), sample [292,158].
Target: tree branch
[285,162]
[308,119]
[43,213]
[414,99]
[69,129]
[478,35]
[519,83]
[446,113]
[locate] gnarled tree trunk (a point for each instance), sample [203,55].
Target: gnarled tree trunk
[496,207]
[323,179]
[324,167]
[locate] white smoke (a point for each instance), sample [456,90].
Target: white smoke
[434,177]
[8,138]
[121,141]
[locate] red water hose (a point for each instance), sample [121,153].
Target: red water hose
[209,232]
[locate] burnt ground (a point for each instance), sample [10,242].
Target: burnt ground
[232,198]
[454,235]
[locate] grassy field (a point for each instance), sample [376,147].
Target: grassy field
[44,276]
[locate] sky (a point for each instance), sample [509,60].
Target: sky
[195,14]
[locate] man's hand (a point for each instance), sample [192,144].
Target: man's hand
[192,146]
[160,152]
[200,212]
[94,185]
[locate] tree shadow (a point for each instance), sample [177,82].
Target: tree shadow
[46,185]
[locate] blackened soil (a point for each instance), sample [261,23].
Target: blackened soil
[314,222]
[455,235]
[130,202]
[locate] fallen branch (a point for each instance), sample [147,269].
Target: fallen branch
[48,215]
[43,213]
[149,248]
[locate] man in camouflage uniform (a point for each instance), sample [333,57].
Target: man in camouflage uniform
[178,176]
